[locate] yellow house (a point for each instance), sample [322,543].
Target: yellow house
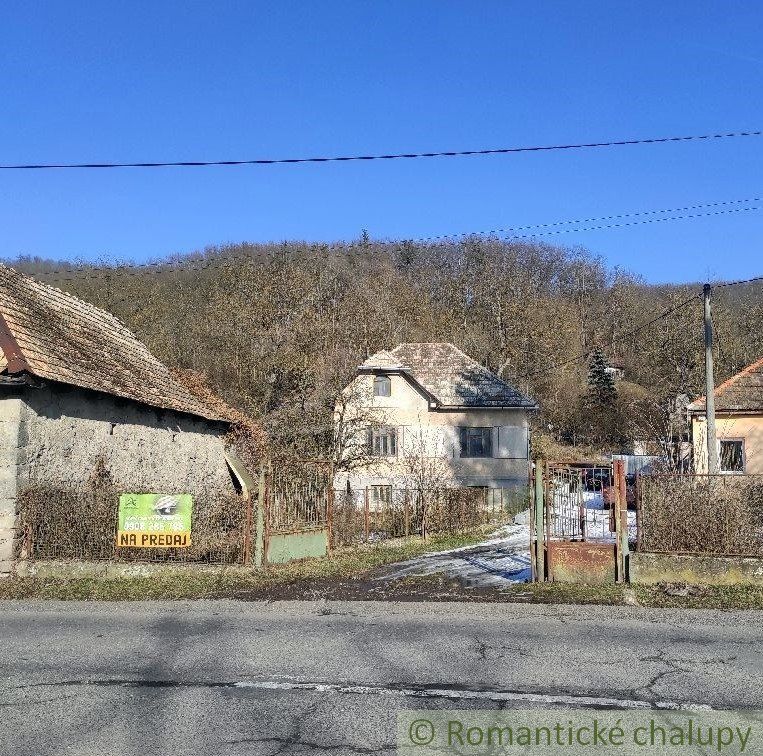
[738,423]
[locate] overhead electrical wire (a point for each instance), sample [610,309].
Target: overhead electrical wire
[588,352]
[544,229]
[390,156]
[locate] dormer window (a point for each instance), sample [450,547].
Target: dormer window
[382,385]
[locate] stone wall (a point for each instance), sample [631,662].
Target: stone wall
[10,416]
[64,431]
[53,437]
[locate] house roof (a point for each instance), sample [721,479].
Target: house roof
[742,392]
[47,333]
[450,377]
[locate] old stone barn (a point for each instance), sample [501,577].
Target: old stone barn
[81,398]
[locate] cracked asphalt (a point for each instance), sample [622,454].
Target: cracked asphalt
[211,677]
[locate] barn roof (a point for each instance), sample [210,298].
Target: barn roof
[742,392]
[449,376]
[55,336]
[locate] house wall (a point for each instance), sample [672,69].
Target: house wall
[63,432]
[427,433]
[747,427]
[10,418]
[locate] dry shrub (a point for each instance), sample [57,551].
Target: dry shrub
[246,436]
[706,514]
[69,523]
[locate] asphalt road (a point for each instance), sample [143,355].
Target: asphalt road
[297,677]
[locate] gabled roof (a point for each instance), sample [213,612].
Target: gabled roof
[742,392]
[450,377]
[47,333]
[382,361]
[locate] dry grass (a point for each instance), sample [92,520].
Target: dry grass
[344,563]
[720,514]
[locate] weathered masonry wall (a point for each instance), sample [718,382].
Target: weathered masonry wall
[10,417]
[695,569]
[63,432]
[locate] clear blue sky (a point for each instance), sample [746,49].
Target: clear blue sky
[107,81]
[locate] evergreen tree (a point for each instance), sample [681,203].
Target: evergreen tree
[600,404]
[602,392]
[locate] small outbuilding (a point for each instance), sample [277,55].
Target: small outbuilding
[738,423]
[79,392]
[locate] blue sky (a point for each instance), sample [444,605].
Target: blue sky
[190,80]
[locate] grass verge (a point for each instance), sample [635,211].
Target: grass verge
[344,564]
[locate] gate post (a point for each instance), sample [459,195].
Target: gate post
[366,515]
[539,541]
[621,521]
[259,545]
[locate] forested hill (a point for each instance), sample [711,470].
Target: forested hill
[280,328]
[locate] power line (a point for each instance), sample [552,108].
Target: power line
[737,283]
[587,353]
[134,269]
[393,156]
[511,229]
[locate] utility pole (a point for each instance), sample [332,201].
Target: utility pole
[712,446]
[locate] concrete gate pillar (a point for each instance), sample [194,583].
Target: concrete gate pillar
[10,424]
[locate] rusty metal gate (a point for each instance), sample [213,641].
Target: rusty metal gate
[579,522]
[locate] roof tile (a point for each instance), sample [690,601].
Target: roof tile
[62,338]
[452,377]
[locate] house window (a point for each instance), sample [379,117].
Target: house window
[476,442]
[383,441]
[732,456]
[381,497]
[382,385]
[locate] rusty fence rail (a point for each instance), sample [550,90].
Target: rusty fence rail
[376,513]
[701,514]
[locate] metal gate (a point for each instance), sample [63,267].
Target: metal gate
[297,512]
[579,522]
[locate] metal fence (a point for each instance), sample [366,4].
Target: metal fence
[701,514]
[379,512]
[579,501]
[297,495]
[56,523]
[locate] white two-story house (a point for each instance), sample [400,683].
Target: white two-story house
[428,415]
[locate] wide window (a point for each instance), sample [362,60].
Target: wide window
[382,441]
[382,385]
[477,442]
[732,456]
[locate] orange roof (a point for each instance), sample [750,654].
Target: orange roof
[742,392]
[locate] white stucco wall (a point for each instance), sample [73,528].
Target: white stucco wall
[436,434]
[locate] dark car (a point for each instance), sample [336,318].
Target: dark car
[597,478]
[608,493]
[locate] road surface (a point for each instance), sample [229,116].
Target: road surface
[301,677]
